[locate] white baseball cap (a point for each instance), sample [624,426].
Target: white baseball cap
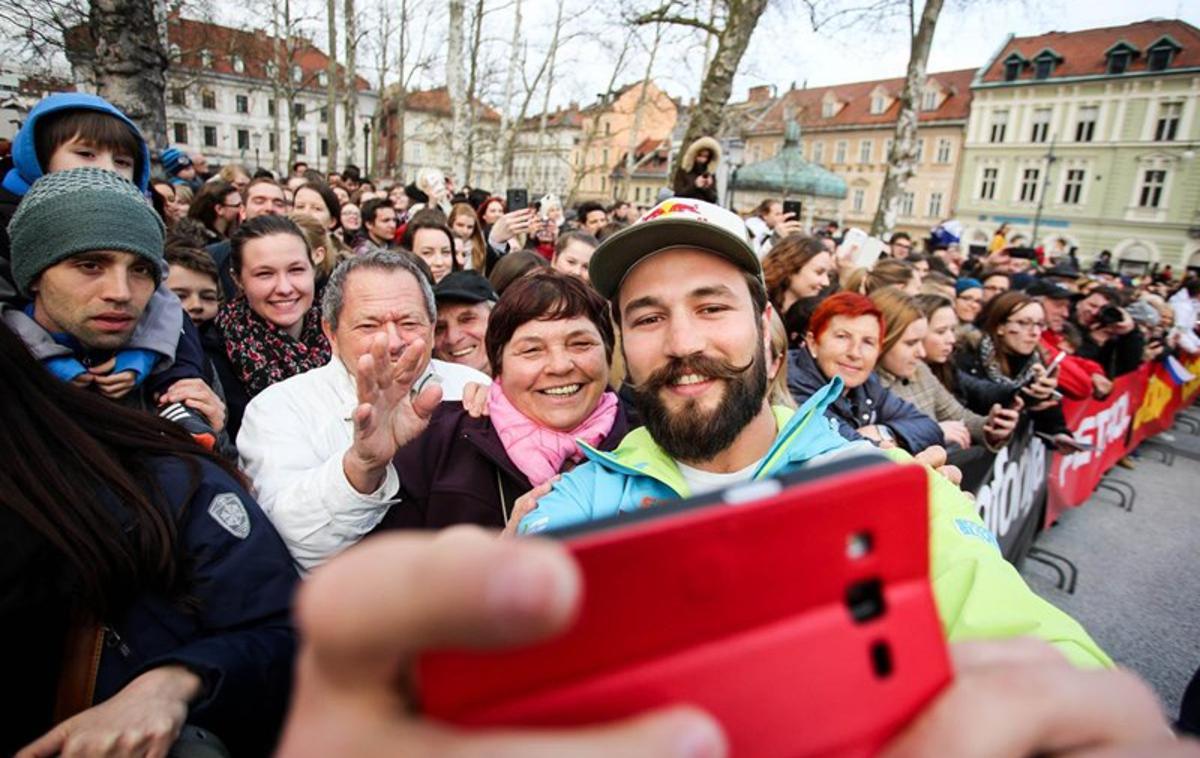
[676,222]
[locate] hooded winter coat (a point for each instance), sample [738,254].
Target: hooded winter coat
[684,183]
[161,331]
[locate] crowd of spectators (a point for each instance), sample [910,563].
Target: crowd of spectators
[227,380]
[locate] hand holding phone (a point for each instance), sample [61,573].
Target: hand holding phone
[834,665]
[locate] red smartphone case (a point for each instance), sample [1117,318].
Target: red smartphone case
[803,621]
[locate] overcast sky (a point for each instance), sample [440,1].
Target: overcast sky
[785,49]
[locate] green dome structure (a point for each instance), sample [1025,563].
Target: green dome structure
[788,173]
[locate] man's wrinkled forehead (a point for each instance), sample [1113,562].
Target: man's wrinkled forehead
[716,268]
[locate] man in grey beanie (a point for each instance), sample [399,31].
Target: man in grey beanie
[87,250]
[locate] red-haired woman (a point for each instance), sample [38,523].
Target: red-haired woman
[844,338]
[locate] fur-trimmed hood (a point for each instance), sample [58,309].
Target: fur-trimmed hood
[704,143]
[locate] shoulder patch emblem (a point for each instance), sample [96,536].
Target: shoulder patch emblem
[229,512]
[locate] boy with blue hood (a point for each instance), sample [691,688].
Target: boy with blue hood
[78,130]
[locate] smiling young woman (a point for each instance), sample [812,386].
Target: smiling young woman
[272,329]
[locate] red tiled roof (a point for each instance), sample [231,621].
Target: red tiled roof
[569,117]
[1083,53]
[255,49]
[804,105]
[437,100]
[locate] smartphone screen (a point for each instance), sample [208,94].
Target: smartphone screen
[793,207]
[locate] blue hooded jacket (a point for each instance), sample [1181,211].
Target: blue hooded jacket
[27,169]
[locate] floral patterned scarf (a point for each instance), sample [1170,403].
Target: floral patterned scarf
[991,365]
[263,353]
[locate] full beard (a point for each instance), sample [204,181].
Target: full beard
[689,433]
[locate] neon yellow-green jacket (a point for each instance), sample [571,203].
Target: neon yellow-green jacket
[979,594]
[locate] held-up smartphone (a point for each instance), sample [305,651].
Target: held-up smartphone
[1077,445]
[796,611]
[1050,369]
[793,207]
[516,199]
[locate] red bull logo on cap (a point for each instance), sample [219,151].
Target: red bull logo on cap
[671,208]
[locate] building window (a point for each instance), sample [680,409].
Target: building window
[297,74]
[1041,125]
[208,100]
[920,150]
[1153,181]
[179,96]
[1118,61]
[935,205]
[929,100]
[272,142]
[860,199]
[828,109]
[999,125]
[325,114]
[243,139]
[242,103]
[1012,69]
[944,149]
[1029,184]
[839,152]
[298,111]
[1168,121]
[323,78]
[887,150]
[1043,67]
[301,145]
[179,131]
[987,187]
[239,65]
[906,204]
[206,59]
[271,107]
[210,136]
[878,103]
[324,147]
[865,148]
[1159,57]
[818,152]
[1085,128]
[1073,186]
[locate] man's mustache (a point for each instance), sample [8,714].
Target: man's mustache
[704,365]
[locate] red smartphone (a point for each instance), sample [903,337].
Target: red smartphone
[797,611]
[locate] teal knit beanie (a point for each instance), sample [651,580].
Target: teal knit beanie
[78,211]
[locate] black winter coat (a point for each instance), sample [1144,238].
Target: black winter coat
[236,632]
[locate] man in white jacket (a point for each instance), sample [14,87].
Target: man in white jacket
[319,446]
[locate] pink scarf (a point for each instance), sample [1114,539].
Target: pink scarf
[540,452]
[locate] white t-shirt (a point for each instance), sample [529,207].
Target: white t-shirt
[701,482]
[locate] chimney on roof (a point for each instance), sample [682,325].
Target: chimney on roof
[759,94]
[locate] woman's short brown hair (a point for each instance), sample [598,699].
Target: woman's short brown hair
[545,296]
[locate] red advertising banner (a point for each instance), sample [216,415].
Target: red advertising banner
[1141,405]
[1103,424]
[1165,395]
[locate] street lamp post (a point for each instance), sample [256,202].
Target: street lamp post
[1037,218]
[367,147]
